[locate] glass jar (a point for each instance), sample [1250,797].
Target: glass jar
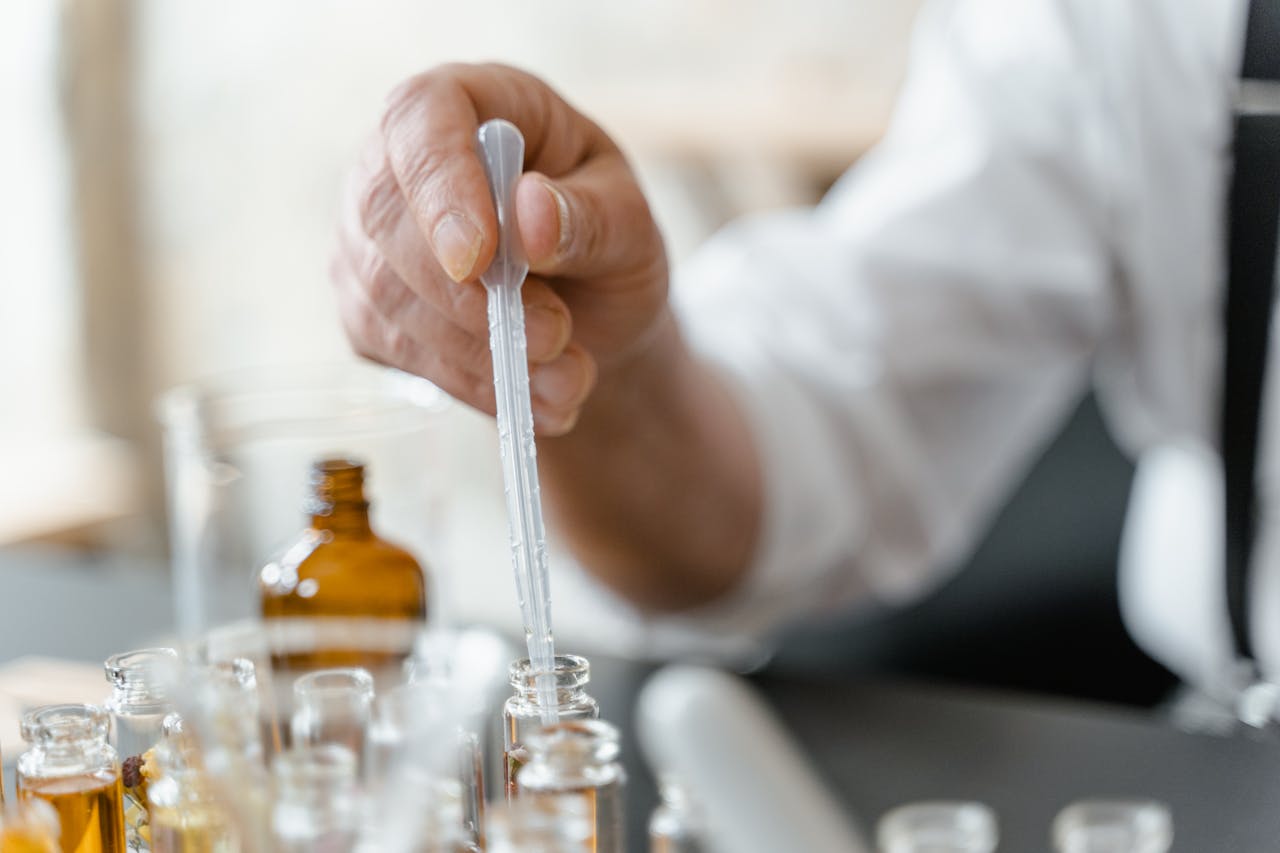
[317,804]
[1113,826]
[186,816]
[676,825]
[29,827]
[138,704]
[340,595]
[71,767]
[938,827]
[521,716]
[578,761]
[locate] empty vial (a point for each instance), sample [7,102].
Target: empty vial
[317,805]
[333,706]
[1113,826]
[938,827]
[676,825]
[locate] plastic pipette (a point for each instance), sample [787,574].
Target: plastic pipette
[501,149]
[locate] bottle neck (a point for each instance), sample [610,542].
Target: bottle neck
[337,502]
[343,519]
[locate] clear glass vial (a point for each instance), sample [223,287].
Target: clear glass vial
[71,767]
[186,816]
[317,804]
[1113,826]
[230,709]
[530,826]
[578,761]
[521,716]
[939,826]
[138,704]
[676,825]
[333,706]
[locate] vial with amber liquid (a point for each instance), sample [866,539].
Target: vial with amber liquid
[340,595]
[521,715]
[577,763]
[28,827]
[71,767]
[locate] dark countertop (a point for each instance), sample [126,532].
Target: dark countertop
[877,744]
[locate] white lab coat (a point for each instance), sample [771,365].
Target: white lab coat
[1046,210]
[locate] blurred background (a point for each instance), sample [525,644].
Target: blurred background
[170,176]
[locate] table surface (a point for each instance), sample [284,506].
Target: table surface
[877,745]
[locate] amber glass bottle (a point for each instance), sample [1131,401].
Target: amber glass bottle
[340,596]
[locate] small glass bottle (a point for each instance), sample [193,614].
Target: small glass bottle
[533,826]
[341,596]
[71,767]
[939,826]
[317,805]
[520,714]
[186,816]
[1113,826]
[676,825]
[578,761]
[29,827]
[138,704]
[414,716]
[333,706]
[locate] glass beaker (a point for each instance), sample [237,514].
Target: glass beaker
[938,826]
[238,449]
[1113,826]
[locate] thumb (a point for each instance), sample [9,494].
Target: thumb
[590,222]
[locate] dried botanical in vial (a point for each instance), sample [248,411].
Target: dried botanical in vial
[138,704]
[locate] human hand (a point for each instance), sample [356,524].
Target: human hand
[418,227]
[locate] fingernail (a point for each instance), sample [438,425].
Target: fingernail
[457,243]
[548,332]
[562,215]
[555,424]
[558,383]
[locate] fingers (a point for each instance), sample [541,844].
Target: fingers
[592,221]
[429,131]
[389,323]
[387,221]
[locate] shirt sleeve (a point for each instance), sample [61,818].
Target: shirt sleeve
[902,350]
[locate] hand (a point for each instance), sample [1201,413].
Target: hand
[418,228]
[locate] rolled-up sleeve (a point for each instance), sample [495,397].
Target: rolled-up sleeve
[901,351]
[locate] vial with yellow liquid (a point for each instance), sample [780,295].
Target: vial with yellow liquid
[71,767]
